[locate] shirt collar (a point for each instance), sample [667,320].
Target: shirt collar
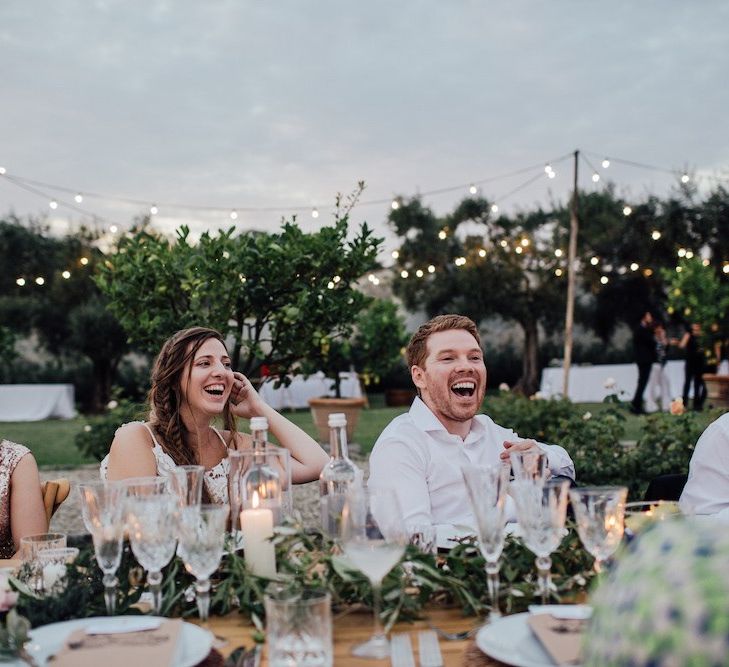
[424,418]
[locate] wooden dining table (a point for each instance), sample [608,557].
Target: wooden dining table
[356,626]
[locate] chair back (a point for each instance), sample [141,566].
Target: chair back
[54,492]
[665,487]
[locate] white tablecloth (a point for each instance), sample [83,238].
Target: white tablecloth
[301,389]
[587,383]
[34,402]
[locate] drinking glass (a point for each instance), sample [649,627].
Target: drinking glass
[298,627]
[186,483]
[529,466]
[423,536]
[31,546]
[201,538]
[487,488]
[541,510]
[373,539]
[600,517]
[152,537]
[235,499]
[52,566]
[102,508]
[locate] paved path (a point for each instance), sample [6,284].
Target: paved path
[68,517]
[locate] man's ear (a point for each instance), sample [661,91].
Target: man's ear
[418,376]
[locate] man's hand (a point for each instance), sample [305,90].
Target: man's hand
[244,399]
[518,446]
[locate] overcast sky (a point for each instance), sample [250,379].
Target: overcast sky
[232,104]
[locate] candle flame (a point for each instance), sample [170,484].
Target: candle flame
[255,501]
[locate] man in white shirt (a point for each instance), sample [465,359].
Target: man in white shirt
[707,488]
[420,454]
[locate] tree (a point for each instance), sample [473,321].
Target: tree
[503,266]
[279,296]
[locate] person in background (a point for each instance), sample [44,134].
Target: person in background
[707,488]
[644,344]
[695,366]
[659,386]
[420,453]
[193,383]
[21,502]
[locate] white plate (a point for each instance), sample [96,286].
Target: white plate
[447,535]
[48,639]
[510,640]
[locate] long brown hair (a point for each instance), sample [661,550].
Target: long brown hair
[165,396]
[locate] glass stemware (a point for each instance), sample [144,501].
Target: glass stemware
[201,540]
[600,517]
[102,508]
[150,511]
[373,539]
[186,483]
[529,466]
[487,489]
[541,510]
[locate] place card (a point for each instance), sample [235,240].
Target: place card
[161,646]
[561,637]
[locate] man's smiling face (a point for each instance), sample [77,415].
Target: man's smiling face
[452,381]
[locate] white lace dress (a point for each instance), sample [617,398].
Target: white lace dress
[216,479]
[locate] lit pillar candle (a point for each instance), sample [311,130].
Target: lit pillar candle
[257,528]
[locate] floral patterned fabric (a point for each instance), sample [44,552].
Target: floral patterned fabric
[10,454]
[666,603]
[216,479]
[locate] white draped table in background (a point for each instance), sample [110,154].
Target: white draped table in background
[587,383]
[301,389]
[34,402]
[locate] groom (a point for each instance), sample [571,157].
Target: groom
[420,454]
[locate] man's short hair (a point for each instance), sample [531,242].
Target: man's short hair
[417,349]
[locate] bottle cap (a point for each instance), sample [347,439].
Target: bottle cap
[259,424]
[337,419]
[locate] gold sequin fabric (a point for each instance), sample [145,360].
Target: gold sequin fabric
[10,454]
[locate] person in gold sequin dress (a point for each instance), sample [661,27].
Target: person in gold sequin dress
[21,503]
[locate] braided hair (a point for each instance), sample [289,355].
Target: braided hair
[165,395]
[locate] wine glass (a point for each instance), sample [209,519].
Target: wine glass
[600,517]
[152,533]
[541,510]
[201,539]
[102,508]
[186,483]
[487,489]
[373,539]
[530,465]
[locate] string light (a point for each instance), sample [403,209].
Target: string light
[226,254]
[547,168]
[655,235]
[431,269]
[153,209]
[605,163]
[682,252]
[2,171]
[40,281]
[78,198]
[679,269]
[442,234]
[66,275]
[647,272]
[315,213]
[689,254]
[627,211]
[53,204]
[113,229]
[706,262]
[395,254]
[242,278]
[234,215]
[395,204]
[518,250]
[419,273]
[482,253]
[330,285]
[604,280]
[595,177]
[494,208]
[84,261]
[594,261]
[525,242]
[473,189]
[460,261]
[634,266]
[725,268]
[558,272]
[404,273]
[685,178]
[558,252]
[20,282]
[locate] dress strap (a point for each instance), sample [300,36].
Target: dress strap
[220,435]
[151,433]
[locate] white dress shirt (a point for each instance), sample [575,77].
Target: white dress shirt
[417,457]
[707,488]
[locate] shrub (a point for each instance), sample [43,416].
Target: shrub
[95,438]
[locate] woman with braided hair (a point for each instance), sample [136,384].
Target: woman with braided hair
[192,384]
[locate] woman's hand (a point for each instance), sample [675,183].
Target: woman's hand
[244,399]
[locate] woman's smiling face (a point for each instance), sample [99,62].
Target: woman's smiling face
[207,383]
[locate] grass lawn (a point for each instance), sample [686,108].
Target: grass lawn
[52,441]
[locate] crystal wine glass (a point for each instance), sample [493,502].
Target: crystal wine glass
[201,539]
[541,510]
[186,483]
[373,539]
[150,512]
[529,466]
[487,489]
[600,517]
[102,508]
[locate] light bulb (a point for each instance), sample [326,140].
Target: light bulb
[558,272]
[604,280]
[66,275]
[605,163]
[494,208]
[371,277]
[525,242]
[441,234]
[594,261]
[551,174]
[503,243]
[336,279]
[431,269]
[473,189]
[330,285]
[395,254]
[595,177]
[2,171]
[40,281]
[685,178]
[395,204]
[78,198]
[314,213]
[20,282]
[419,273]
[53,204]
[113,229]
[725,268]
[627,210]
[84,261]
[234,215]
[547,168]
[482,253]
[682,252]
[655,235]
[706,262]
[634,266]
[518,250]
[689,254]
[404,274]
[558,252]
[153,209]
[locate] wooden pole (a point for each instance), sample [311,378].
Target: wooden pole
[570,312]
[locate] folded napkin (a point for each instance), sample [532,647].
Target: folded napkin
[159,646]
[122,625]
[565,611]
